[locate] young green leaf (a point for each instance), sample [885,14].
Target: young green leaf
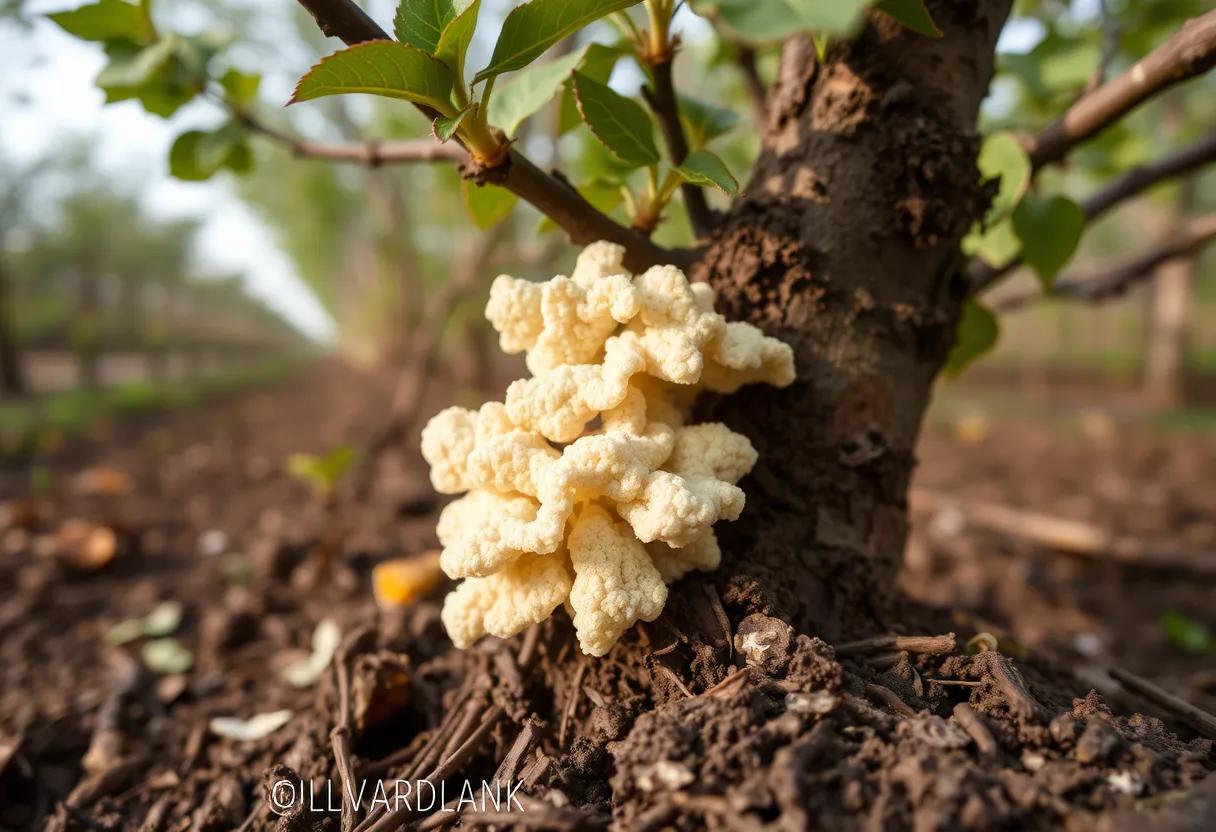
[240,87]
[1050,230]
[381,67]
[705,169]
[1185,632]
[529,90]
[598,62]
[488,205]
[420,23]
[977,333]
[705,122]
[996,245]
[912,14]
[1002,157]
[197,155]
[532,28]
[761,21]
[104,20]
[620,124]
[454,42]
[444,128]
[130,70]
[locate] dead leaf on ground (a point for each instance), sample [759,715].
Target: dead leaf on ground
[103,481]
[85,546]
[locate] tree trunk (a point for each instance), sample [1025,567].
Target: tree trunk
[845,245]
[12,376]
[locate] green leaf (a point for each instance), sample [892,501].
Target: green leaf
[995,245]
[532,28]
[104,20]
[529,90]
[420,23]
[772,20]
[912,14]
[620,124]
[1050,230]
[454,42]
[166,656]
[488,205]
[322,473]
[977,333]
[705,169]
[241,87]
[598,62]
[380,67]
[131,70]
[197,155]
[1185,632]
[444,128]
[1002,157]
[705,122]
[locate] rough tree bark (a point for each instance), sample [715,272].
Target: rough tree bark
[846,246]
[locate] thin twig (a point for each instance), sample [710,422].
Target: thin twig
[1060,534]
[1190,52]
[974,725]
[662,99]
[576,689]
[912,644]
[1126,186]
[1196,717]
[889,698]
[753,85]
[1116,281]
[369,153]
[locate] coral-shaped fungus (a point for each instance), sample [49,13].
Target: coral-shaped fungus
[586,487]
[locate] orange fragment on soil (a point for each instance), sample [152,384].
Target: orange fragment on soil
[405,580]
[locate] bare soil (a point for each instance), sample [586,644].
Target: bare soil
[718,715]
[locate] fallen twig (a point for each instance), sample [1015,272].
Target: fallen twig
[890,698]
[1196,717]
[974,725]
[1060,534]
[576,690]
[931,645]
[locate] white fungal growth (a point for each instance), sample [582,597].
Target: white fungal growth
[599,519]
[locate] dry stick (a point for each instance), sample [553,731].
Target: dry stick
[528,648]
[889,698]
[1196,717]
[576,689]
[1072,537]
[661,97]
[973,724]
[445,769]
[912,644]
[1010,683]
[1114,282]
[715,604]
[339,737]
[1189,159]
[728,684]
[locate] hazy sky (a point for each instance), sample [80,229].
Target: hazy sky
[56,71]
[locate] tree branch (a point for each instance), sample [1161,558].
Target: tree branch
[1132,183]
[1191,51]
[1115,281]
[370,153]
[552,196]
[662,100]
[753,85]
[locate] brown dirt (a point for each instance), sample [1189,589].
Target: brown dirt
[715,716]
